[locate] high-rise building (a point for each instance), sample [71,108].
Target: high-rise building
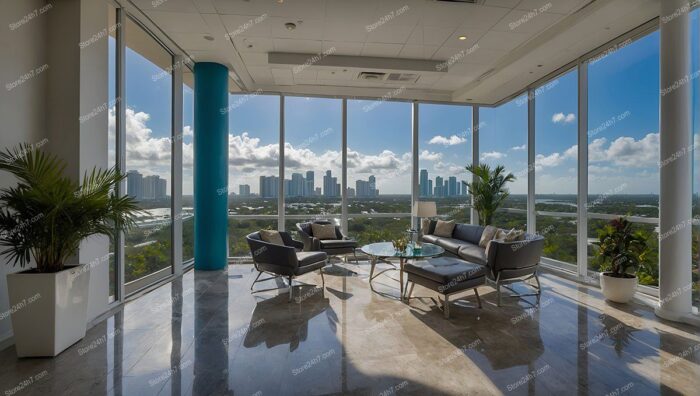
[430,188]
[309,184]
[269,186]
[423,183]
[154,187]
[161,189]
[134,184]
[297,185]
[361,188]
[351,192]
[244,190]
[317,191]
[452,186]
[373,186]
[438,187]
[328,186]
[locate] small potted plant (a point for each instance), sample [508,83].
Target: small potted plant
[43,220]
[621,252]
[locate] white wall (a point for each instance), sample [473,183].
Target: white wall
[23,107]
[50,104]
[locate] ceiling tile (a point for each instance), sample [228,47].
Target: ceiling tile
[339,31]
[169,5]
[261,74]
[243,7]
[430,35]
[179,22]
[337,75]
[343,48]
[520,21]
[309,29]
[381,50]
[298,46]
[502,3]
[483,18]
[360,12]
[557,7]
[247,25]
[254,58]
[390,34]
[418,51]
[282,76]
[194,41]
[502,40]
[253,44]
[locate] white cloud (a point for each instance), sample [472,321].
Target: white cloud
[492,155]
[518,148]
[563,118]
[626,151]
[429,156]
[447,141]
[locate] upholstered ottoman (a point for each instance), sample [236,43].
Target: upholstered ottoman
[447,276]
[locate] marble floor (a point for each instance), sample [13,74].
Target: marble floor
[206,334]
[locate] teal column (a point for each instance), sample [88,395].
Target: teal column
[210,166]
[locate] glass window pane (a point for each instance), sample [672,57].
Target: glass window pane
[445,149]
[187,165]
[695,53]
[313,159]
[253,177]
[379,168]
[556,172]
[111,135]
[503,141]
[623,142]
[148,157]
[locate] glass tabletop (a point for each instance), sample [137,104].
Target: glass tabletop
[386,249]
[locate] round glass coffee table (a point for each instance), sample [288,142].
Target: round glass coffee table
[383,251]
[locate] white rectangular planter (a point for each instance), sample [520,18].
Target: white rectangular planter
[49,311]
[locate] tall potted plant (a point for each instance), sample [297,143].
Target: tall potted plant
[43,219]
[621,252]
[488,190]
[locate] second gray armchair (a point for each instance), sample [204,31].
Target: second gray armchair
[340,245]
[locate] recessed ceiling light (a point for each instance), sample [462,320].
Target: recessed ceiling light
[290,26]
[462,38]
[208,37]
[250,45]
[539,65]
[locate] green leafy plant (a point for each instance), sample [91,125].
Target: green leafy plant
[622,251]
[46,215]
[488,190]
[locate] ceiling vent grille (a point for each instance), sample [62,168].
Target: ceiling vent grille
[402,77]
[371,76]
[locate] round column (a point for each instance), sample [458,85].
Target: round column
[210,166]
[675,198]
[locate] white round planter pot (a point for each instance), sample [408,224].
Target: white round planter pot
[49,311]
[620,290]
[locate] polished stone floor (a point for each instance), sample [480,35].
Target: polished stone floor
[206,334]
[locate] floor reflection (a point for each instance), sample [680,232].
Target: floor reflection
[206,334]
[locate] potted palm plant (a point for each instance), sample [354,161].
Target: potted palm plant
[43,219]
[621,252]
[488,190]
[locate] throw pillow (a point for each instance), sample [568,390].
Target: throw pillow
[488,234]
[425,226]
[323,231]
[444,228]
[501,234]
[514,235]
[271,236]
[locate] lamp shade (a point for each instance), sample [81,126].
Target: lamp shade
[426,209]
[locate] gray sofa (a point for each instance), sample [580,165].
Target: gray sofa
[507,262]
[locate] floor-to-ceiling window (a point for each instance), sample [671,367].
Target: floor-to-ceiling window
[313,160]
[503,141]
[379,168]
[254,130]
[148,157]
[623,143]
[187,214]
[111,130]
[444,151]
[556,154]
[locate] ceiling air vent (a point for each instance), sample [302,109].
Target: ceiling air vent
[371,76]
[402,77]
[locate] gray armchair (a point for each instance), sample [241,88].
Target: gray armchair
[284,261]
[511,262]
[333,247]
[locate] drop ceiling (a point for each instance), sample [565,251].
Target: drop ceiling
[486,51]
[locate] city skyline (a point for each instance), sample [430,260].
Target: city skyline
[142,188]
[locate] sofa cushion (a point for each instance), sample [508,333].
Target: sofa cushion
[430,238]
[444,228]
[452,245]
[468,232]
[323,231]
[446,269]
[488,234]
[271,236]
[338,243]
[473,253]
[307,258]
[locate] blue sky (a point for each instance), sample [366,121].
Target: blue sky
[623,130]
